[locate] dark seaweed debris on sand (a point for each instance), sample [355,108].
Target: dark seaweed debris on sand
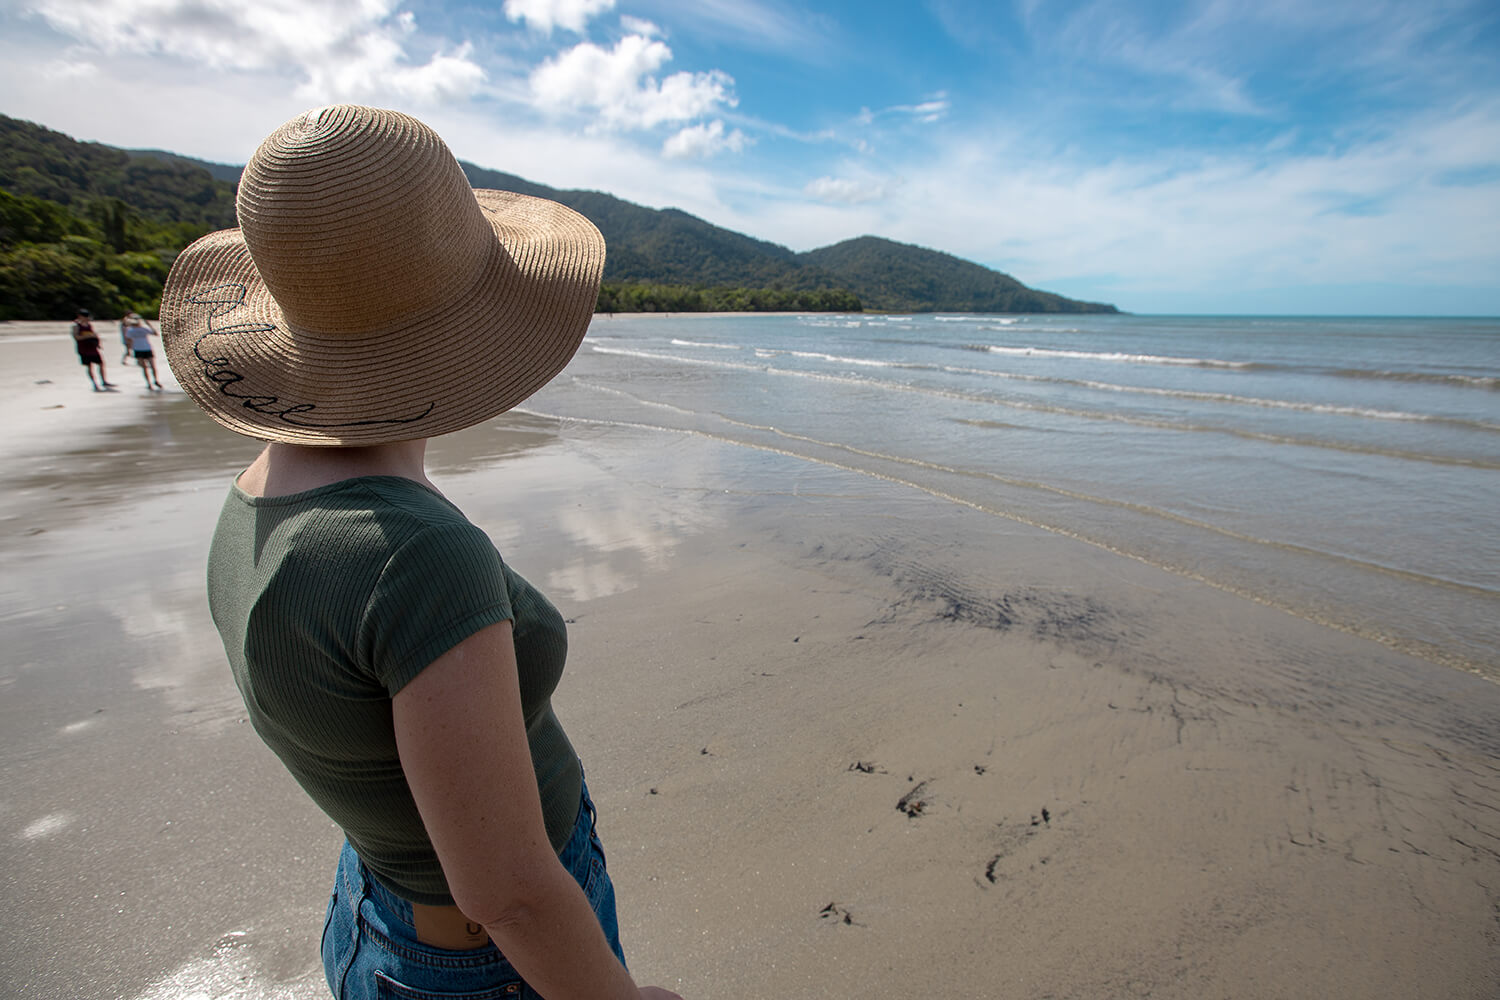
[1012,839]
[834,913]
[936,592]
[1044,614]
[912,803]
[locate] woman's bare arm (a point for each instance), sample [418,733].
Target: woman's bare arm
[462,740]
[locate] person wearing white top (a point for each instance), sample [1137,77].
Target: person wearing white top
[138,340]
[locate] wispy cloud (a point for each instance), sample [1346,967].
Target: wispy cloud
[1187,59]
[927,111]
[847,190]
[783,28]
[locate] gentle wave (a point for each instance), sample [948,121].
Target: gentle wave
[624,352]
[1491,382]
[1113,356]
[988,320]
[696,343]
[1369,413]
[1488,382]
[770,352]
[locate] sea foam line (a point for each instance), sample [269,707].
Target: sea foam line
[696,343]
[987,320]
[1112,356]
[771,352]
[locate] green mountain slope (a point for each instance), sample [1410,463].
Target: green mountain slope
[666,246]
[41,163]
[890,275]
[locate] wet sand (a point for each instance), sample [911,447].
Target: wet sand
[845,740]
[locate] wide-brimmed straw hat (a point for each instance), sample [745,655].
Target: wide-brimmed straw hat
[369,294]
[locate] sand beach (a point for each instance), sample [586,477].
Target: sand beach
[845,740]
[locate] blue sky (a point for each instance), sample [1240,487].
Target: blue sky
[1223,157]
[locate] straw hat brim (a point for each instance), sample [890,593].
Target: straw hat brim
[473,356]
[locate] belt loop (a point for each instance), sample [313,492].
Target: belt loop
[588,800]
[357,884]
[355,888]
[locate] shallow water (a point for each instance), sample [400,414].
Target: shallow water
[1344,470]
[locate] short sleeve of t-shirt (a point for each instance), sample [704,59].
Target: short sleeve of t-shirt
[441,586]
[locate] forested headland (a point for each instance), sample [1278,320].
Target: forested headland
[88,226]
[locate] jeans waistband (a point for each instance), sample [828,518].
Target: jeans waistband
[359,882]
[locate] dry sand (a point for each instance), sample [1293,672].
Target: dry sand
[845,741]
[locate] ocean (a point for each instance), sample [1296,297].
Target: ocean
[1346,471]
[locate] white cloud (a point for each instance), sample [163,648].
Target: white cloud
[355,50]
[702,141]
[544,15]
[234,34]
[618,85]
[843,190]
[376,66]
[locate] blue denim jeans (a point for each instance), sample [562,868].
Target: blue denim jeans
[371,952]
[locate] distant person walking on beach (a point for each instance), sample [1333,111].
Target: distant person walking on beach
[401,670]
[87,343]
[138,340]
[127,321]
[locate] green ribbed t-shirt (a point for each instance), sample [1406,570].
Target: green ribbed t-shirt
[328,603]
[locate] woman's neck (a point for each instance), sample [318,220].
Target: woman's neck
[283,469]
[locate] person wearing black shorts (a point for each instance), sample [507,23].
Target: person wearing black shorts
[138,337]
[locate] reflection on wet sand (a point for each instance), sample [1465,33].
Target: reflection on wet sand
[572,521]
